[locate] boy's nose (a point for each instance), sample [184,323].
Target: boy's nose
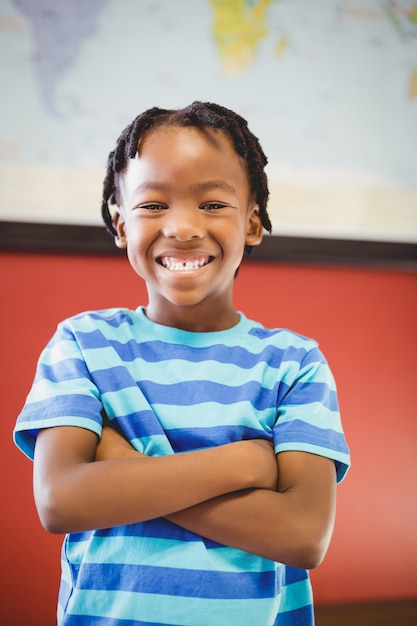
[184,224]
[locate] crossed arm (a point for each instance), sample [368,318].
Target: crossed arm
[239,494]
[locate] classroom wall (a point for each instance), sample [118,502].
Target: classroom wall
[365,321]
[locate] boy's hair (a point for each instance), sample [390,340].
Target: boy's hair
[199,115]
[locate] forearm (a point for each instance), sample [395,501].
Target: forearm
[291,526]
[77,494]
[256,521]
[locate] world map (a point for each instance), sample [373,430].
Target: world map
[330,89]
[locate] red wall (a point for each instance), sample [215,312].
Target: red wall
[366,323]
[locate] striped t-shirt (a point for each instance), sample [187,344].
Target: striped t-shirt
[168,391]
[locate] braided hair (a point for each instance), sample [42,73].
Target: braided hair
[199,115]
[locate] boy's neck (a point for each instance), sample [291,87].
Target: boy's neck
[187,318]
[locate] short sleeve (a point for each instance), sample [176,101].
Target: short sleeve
[62,394]
[308,416]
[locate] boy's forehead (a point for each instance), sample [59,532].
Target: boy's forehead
[172,152]
[216,137]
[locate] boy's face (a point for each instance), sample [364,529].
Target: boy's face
[185,215]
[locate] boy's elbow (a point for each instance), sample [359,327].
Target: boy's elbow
[52,525]
[52,511]
[311,557]
[307,548]
[312,548]
[304,556]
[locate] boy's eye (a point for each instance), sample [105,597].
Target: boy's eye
[152,206]
[212,206]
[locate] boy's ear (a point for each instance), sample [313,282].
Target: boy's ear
[120,227]
[254,230]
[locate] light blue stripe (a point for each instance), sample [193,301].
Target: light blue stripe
[290,370]
[150,551]
[113,326]
[107,321]
[106,358]
[155,445]
[174,370]
[25,433]
[207,415]
[120,403]
[342,459]
[46,389]
[296,595]
[179,369]
[174,610]
[318,373]
[59,351]
[281,338]
[66,420]
[314,414]
[321,374]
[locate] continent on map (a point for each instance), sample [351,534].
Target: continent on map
[412,87]
[59,29]
[239,26]
[403,15]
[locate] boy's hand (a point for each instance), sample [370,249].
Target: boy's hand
[112,445]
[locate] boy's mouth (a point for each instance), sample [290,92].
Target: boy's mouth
[176,264]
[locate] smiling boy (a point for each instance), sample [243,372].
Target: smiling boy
[185,225]
[213,491]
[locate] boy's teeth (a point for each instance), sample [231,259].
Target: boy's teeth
[184,265]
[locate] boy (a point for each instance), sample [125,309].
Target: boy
[213,491]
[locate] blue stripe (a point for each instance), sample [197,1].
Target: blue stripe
[111,317]
[306,393]
[183,439]
[156,351]
[72,370]
[280,335]
[140,424]
[191,392]
[160,528]
[113,379]
[88,620]
[175,582]
[58,406]
[301,432]
[294,575]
